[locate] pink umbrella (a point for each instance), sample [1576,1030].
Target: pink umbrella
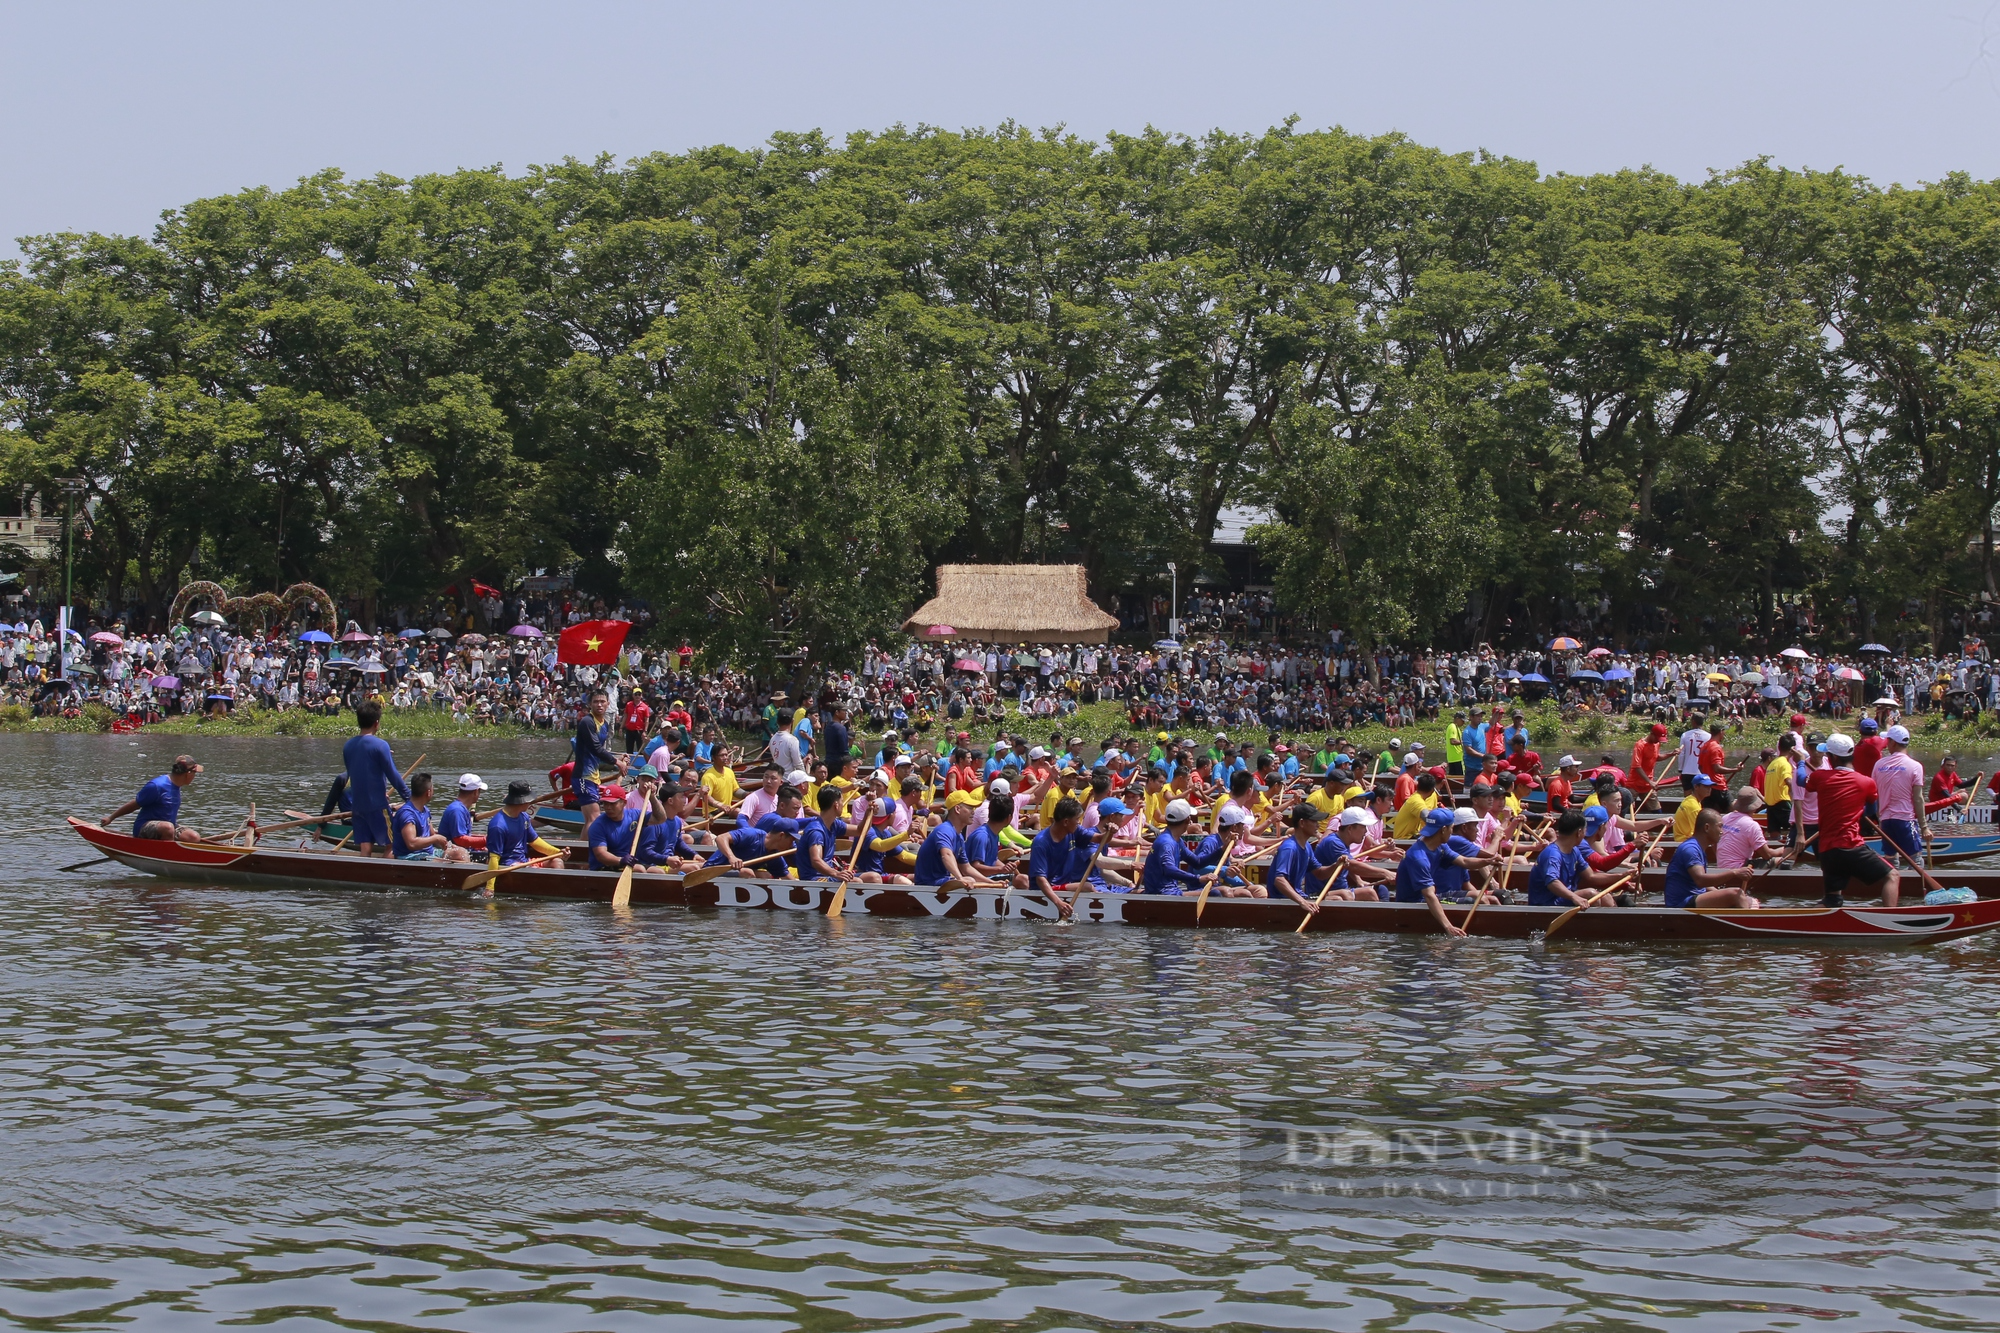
[166,682]
[356,636]
[107,637]
[968,664]
[941,631]
[1848,673]
[1598,652]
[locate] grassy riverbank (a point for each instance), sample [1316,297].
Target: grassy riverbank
[397,724]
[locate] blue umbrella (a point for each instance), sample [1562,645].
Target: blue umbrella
[1874,647]
[1584,675]
[1510,674]
[411,634]
[1618,673]
[1167,643]
[1535,678]
[315,636]
[1775,692]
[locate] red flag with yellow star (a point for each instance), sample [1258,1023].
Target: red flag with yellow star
[592,643]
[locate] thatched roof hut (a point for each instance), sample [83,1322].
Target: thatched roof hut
[1014,604]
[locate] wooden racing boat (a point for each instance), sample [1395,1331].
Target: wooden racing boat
[214,863]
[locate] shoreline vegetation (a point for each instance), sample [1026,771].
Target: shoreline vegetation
[1586,735]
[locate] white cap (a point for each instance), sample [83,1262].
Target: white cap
[1038,753]
[1464,815]
[471,782]
[885,776]
[1567,761]
[999,787]
[1839,744]
[1416,745]
[1109,755]
[1898,733]
[1234,815]
[1356,814]
[1395,743]
[1179,812]
[798,777]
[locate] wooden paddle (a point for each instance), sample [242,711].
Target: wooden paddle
[694,879]
[1506,874]
[486,877]
[1307,918]
[621,895]
[1208,880]
[1605,892]
[1929,882]
[840,890]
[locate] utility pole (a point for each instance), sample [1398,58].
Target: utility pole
[71,488]
[1174,603]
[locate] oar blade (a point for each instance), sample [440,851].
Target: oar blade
[621,896]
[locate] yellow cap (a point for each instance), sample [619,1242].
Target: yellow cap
[958,798]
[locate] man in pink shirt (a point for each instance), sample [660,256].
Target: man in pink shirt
[1742,839]
[1899,787]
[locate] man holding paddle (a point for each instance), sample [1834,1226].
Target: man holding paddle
[510,834]
[1843,856]
[1690,880]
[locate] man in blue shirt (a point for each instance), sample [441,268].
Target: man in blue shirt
[982,844]
[1166,871]
[1416,875]
[510,834]
[664,843]
[456,821]
[371,771]
[838,742]
[1690,882]
[1050,854]
[158,805]
[411,827]
[941,860]
[816,857]
[1560,876]
[1475,751]
[1293,862]
[1458,858]
[590,751]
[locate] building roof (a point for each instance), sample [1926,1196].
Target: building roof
[1014,604]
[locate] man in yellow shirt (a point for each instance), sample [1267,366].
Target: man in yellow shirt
[1777,796]
[1335,791]
[1690,807]
[1410,819]
[1154,808]
[719,781]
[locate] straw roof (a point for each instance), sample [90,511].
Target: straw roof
[1014,604]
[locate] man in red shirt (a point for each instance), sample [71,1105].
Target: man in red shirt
[1713,756]
[1562,783]
[638,713]
[1645,763]
[1868,749]
[1523,763]
[1843,855]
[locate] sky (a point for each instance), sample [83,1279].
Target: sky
[111,113]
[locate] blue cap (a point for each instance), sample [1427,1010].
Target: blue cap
[776,823]
[1111,805]
[1595,816]
[1439,818]
[1704,780]
[1869,724]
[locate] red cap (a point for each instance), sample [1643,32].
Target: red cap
[1798,721]
[1658,731]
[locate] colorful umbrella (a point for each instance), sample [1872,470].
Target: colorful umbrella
[1848,673]
[525,632]
[474,639]
[1564,645]
[107,637]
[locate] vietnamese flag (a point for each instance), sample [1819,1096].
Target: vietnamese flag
[592,643]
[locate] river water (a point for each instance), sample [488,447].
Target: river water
[320,1110]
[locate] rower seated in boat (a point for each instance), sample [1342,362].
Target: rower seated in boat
[817,835]
[942,859]
[510,834]
[1455,863]
[410,830]
[986,847]
[1693,881]
[158,805]
[1343,849]
[1114,821]
[1294,864]
[1561,875]
[1167,870]
[1222,848]
[875,818]
[774,834]
[456,821]
[1416,875]
[664,845]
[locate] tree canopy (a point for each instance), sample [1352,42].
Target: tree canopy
[770,389]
